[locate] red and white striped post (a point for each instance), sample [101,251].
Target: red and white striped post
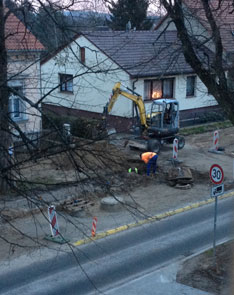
[175,149]
[94,226]
[53,221]
[216,140]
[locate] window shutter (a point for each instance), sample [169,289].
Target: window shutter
[16,107]
[82,54]
[190,86]
[147,91]
[168,88]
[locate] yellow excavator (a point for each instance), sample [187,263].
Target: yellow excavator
[158,120]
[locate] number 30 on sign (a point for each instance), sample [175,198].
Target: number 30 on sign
[216,174]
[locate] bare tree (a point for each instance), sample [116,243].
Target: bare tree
[215,18]
[79,165]
[51,163]
[4,123]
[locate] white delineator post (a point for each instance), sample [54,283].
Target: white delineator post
[94,226]
[175,149]
[53,221]
[216,140]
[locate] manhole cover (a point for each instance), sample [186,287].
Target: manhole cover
[112,203]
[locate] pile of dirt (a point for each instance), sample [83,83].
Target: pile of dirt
[202,273]
[85,160]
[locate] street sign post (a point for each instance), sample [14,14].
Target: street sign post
[216,176]
[217,190]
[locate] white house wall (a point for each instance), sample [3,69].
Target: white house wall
[193,26]
[26,69]
[201,98]
[167,24]
[92,83]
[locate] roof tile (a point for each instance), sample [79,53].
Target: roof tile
[145,53]
[18,37]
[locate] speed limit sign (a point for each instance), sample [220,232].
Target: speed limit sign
[216,174]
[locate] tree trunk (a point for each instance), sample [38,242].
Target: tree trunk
[4,122]
[221,90]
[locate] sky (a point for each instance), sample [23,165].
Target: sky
[95,5]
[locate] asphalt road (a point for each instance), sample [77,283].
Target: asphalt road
[120,258]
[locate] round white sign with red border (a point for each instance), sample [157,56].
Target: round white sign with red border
[216,174]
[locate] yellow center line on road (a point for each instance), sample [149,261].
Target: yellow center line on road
[150,219]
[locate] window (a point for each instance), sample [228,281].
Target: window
[16,105]
[66,83]
[190,85]
[82,54]
[155,89]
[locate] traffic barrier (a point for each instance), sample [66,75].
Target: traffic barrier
[53,221]
[55,236]
[175,149]
[94,226]
[216,140]
[215,147]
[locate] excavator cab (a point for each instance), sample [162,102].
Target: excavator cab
[158,119]
[163,123]
[163,117]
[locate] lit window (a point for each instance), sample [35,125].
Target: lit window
[155,89]
[66,83]
[190,85]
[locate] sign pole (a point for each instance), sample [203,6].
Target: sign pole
[214,240]
[233,169]
[216,176]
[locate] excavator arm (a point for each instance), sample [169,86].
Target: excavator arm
[136,98]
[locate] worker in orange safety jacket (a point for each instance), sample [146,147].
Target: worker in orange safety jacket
[150,159]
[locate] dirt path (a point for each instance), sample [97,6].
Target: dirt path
[147,196]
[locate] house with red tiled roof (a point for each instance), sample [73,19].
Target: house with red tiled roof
[78,78]
[23,54]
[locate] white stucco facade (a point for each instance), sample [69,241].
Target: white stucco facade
[194,27]
[199,100]
[92,82]
[24,72]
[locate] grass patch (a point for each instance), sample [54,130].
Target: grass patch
[209,252]
[205,128]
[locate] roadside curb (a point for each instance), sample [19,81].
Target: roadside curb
[149,220]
